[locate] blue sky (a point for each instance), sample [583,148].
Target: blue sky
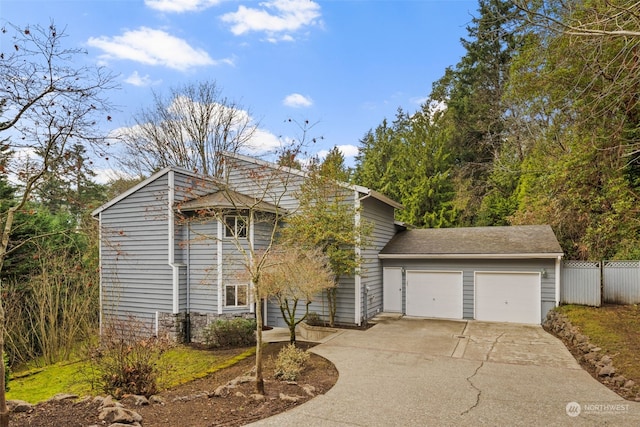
[343,65]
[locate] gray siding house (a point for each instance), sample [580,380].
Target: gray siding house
[174,269]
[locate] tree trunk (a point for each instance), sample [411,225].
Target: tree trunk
[4,411]
[292,333]
[259,324]
[332,296]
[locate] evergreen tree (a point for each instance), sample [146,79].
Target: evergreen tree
[473,93]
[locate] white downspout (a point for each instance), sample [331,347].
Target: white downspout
[558,281]
[252,248]
[171,245]
[219,266]
[101,295]
[358,252]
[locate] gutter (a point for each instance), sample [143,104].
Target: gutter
[472,256]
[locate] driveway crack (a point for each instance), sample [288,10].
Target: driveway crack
[470,377]
[478,391]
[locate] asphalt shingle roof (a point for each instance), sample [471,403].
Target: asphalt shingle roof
[227,200]
[474,241]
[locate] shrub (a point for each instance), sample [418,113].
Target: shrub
[313,319]
[125,363]
[237,332]
[290,363]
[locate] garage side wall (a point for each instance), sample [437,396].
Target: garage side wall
[469,267]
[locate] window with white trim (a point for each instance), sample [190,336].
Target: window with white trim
[235,226]
[236,295]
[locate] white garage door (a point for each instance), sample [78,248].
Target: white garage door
[508,297]
[434,294]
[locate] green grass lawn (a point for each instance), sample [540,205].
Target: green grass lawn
[180,364]
[616,329]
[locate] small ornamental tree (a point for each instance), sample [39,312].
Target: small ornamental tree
[327,219]
[293,275]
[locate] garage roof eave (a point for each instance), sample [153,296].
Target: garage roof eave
[472,256]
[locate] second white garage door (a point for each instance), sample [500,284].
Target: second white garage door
[434,294]
[508,297]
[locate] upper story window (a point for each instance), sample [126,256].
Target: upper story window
[235,226]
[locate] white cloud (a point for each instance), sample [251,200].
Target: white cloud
[295,100]
[276,18]
[348,151]
[152,47]
[106,175]
[178,6]
[136,80]
[263,141]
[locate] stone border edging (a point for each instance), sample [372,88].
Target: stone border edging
[590,356]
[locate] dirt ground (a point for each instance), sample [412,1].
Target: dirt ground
[193,405]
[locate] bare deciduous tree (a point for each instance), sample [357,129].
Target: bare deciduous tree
[295,275]
[608,18]
[189,128]
[48,102]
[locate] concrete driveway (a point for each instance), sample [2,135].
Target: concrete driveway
[417,372]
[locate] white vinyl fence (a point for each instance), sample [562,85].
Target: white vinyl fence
[597,282]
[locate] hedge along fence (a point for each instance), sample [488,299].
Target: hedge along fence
[600,282]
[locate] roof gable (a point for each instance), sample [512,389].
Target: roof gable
[146,182]
[366,192]
[527,241]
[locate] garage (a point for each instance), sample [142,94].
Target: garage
[507,297]
[495,274]
[434,294]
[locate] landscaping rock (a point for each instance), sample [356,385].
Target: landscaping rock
[119,415]
[618,380]
[109,402]
[581,339]
[203,394]
[240,380]
[63,396]
[606,371]
[309,389]
[19,406]
[629,384]
[125,425]
[606,360]
[221,391]
[139,400]
[288,398]
[157,400]
[257,397]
